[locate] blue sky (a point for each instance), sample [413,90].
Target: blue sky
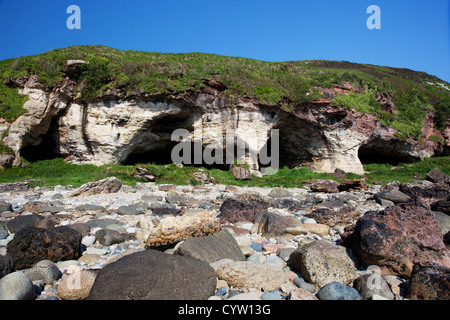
[414,34]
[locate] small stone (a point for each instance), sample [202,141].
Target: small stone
[271,295]
[301,283]
[88,240]
[99,251]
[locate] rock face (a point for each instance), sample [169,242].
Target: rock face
[31,245]
[322,263]
[153,275]
[398,237]
[121,129]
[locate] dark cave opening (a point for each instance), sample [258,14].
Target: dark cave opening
[47,149]
[373,153]
[163,156]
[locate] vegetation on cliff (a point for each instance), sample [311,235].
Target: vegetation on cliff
[286,84]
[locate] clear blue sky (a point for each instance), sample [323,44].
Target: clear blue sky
[414,34]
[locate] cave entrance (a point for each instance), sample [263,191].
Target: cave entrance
[382,154]
[47,149]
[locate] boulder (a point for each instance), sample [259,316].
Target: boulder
[438,176]
[351,185]
[107,237]
[18,223]
[428,195]
[397,237]
[16,286]
[108,185]
[327,186]
[321,262]
[172,230]
[246,274]
[44,270]
[5,206]
[340,217]
[337,291]
[31,245]
[212,248]
[274,225]
[154,275]
[394,195]
[442,206]
[429,281]
[76,286]
[240,172]
[245,208]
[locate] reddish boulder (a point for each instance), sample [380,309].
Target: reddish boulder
[245,208]
[351,185]
[327,186]
[398,237]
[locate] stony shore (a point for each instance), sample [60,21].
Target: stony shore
[106,240]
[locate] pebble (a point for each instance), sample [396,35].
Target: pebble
[301,283]
[271,295]
[99,251]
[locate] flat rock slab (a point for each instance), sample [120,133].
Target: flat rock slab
[212,248]
[108,185]
[246,274]
[154,275]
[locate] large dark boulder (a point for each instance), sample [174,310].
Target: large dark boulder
[397,237]
[212,248]
[154,275]
[429,281]
[31,245]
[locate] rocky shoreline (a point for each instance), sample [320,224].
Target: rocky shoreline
[326,241]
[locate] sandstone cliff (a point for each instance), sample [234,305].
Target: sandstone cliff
[119,127]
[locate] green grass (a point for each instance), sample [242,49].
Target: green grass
[49,173]
[404,172]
